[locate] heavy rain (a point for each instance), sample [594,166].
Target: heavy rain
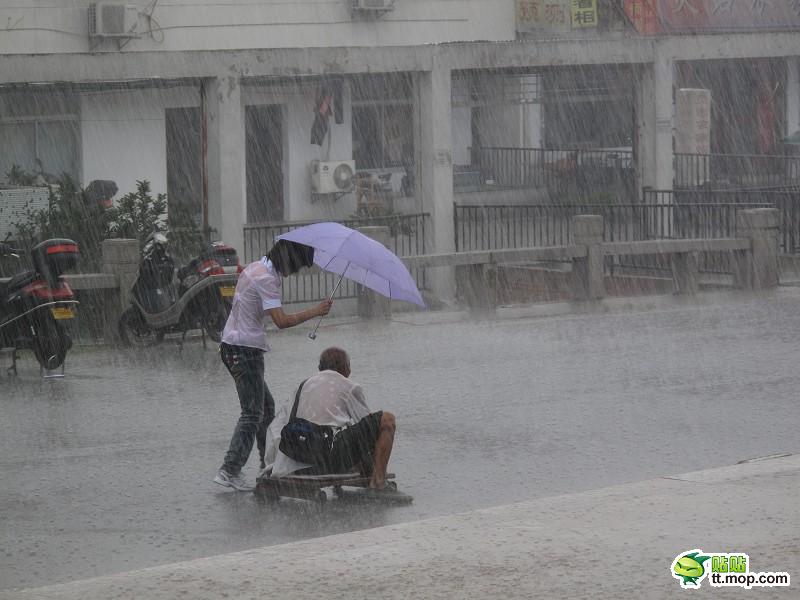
[557,241]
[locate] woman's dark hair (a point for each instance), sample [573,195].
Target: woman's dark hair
[289,257]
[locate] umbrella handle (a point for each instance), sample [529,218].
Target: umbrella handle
[313,334]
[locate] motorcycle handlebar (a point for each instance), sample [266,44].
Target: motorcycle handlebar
[8,249]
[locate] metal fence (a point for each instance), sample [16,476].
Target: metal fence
[407,235]
[735,170]
[712,213]
[664,215]
[520,226]
[561,172]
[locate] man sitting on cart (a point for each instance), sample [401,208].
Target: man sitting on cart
[331,398]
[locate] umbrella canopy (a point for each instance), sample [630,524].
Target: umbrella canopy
[347,252]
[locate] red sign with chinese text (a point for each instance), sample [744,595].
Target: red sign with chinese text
[728,15]
[642,14]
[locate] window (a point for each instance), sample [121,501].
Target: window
[49,146]
[381,135]
[382,117]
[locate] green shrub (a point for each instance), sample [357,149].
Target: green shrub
[136,215]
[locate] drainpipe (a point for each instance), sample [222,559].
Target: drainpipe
[204,157]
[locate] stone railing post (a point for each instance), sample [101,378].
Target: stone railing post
[758,267]
[372,304]
[120,258]
[477,285]
[684,272]
[588,281]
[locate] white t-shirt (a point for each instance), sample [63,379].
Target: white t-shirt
[258,289]
[327,398]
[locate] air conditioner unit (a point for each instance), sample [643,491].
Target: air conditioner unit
[113,20]
[379,6]
[332,177]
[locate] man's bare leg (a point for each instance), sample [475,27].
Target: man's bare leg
[383,450]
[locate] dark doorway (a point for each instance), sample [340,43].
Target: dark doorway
[184,168]
[264,141]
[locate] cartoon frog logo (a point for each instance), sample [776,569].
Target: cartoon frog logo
[688,568]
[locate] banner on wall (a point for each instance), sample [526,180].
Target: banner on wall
[684,16]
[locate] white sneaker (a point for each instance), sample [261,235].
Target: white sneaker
[237,482]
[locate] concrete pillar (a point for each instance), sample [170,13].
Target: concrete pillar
[371,304]
[792,95]
[758,267]
[663,82]
[588,277]
[684,272]
[645,127]
[434,164]
[120,258]
[227,198]
[654,124]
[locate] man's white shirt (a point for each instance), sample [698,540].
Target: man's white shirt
[327,398]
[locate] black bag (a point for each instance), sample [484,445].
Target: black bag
[305,441]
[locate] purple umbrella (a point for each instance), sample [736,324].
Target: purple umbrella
[351,254]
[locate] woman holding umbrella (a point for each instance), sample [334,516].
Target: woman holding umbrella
[258,294]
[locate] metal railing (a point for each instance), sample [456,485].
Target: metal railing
[559,171]
[663,216]
[735,170]
[712,213]
[407,235]
[523,226]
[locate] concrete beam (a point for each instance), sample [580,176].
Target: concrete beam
[291,62]
[674,246]
[520,255]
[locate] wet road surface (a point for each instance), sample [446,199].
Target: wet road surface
[110,468]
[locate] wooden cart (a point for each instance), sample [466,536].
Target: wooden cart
[311,487]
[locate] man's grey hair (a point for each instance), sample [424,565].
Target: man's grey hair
[334,359]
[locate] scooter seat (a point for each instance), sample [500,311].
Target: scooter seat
[17,282]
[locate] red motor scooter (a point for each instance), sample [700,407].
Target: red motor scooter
[35,304]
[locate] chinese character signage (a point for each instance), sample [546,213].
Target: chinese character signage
[584,13]
[543,15]
[728,15]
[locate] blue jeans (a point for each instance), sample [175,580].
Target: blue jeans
[246,366]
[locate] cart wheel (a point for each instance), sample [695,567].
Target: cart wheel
[322,497]
[265,493]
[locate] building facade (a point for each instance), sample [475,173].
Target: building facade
[217,102]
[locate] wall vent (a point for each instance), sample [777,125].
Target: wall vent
[113,20]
